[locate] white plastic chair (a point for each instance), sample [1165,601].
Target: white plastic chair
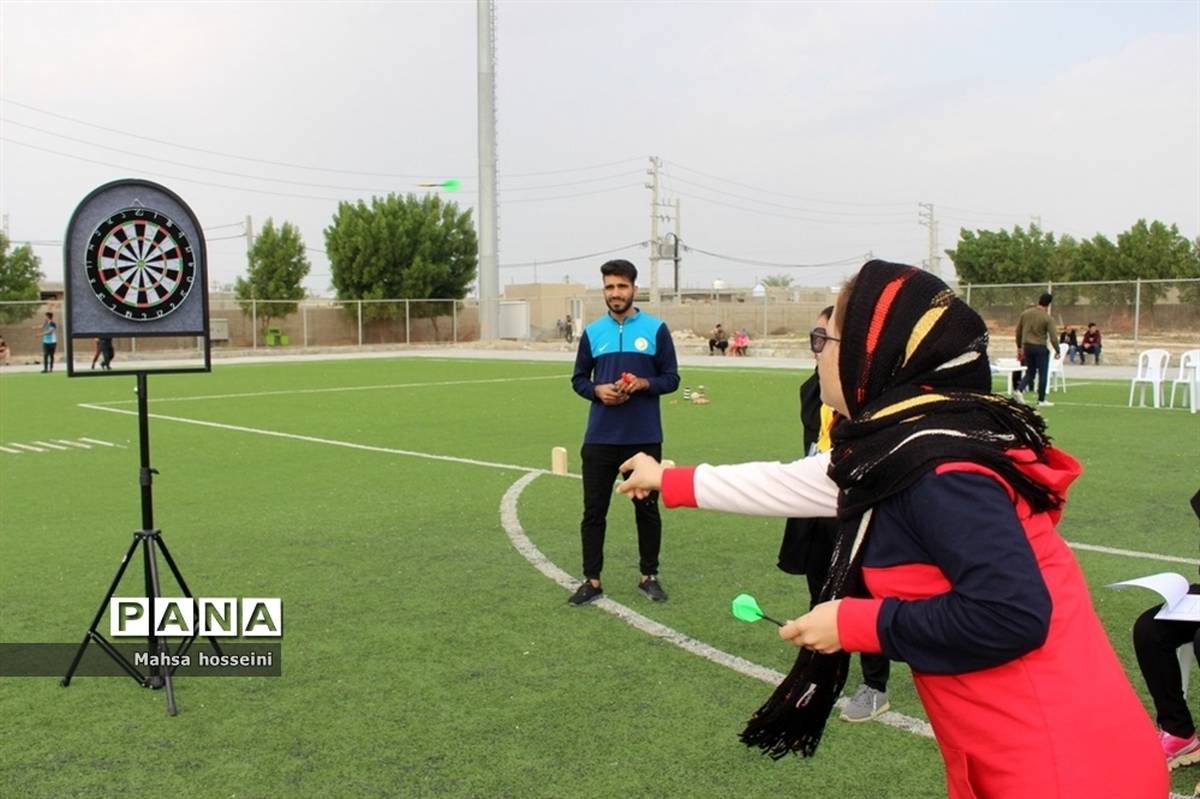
[1057,368]
[1152,369]
[1189,376]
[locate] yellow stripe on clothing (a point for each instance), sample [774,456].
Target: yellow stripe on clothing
[824,439]
[921,330]
[914,402]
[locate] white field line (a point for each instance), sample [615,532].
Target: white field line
[516,534]
[315,440]
[1068,403]
[26,446]
[11,451]
[96,440]
[1133,553]
[72,443]
[335,390]
[526,547]
[48,445]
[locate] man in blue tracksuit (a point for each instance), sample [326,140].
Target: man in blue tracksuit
[626,359]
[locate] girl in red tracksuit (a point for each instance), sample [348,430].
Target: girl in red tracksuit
[948,559]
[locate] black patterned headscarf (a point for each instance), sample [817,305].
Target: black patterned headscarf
[914,371]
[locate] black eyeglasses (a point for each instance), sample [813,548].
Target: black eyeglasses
[817,338]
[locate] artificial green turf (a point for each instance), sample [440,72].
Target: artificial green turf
[423,656]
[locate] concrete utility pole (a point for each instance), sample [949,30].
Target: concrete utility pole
[489,261]
[927,220]
[655,164]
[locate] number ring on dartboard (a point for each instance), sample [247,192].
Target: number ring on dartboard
[140,264]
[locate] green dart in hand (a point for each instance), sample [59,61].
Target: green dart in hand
[746,608]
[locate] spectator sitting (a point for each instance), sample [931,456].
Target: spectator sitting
[741,342]
[1155,641]
[1091,343]
[1069,338]
[4,353]
[718,339]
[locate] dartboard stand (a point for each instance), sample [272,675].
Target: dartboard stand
[151,542]
[135,266]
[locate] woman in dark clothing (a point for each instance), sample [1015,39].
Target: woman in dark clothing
[948,498]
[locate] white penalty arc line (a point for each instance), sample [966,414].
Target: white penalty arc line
[335,390]
[528,550]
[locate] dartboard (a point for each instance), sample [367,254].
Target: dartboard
[139,264]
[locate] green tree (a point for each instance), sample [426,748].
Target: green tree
[406,247]
[986,256]
[777,281]
[278,266]
[20,271]
[1022,256]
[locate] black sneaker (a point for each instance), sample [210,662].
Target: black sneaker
[652,590]
[585,594]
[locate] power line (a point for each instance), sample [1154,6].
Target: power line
[573,182]
[218,152]
[187,165]
[563,171]
[792,196]
[284,163]
[172,177]
[890,215]
[569,196]
[575,257]
[754,262]
[265,191]
[793,217]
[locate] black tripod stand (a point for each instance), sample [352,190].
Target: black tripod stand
[152,543]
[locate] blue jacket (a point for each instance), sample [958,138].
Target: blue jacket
[641,345]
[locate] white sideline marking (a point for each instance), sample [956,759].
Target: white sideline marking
[516,534]
[95,440]
[26,446]
[72,443]
[11,451]
[288,392]
[315,440]
[1133,553]
[48,445]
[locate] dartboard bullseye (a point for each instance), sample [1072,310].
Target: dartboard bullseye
[139,264]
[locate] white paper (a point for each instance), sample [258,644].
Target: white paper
[1178,604]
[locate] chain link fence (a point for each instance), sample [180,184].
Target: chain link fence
[1131,315]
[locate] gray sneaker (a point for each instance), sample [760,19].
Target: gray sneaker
[866,704]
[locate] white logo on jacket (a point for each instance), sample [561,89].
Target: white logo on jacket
[640,344]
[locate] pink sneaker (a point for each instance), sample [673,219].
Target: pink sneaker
[1179,751]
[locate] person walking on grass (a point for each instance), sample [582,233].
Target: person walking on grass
[1035,342]
[948,557]
[625,362]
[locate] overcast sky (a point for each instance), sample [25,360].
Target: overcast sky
[791,133]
